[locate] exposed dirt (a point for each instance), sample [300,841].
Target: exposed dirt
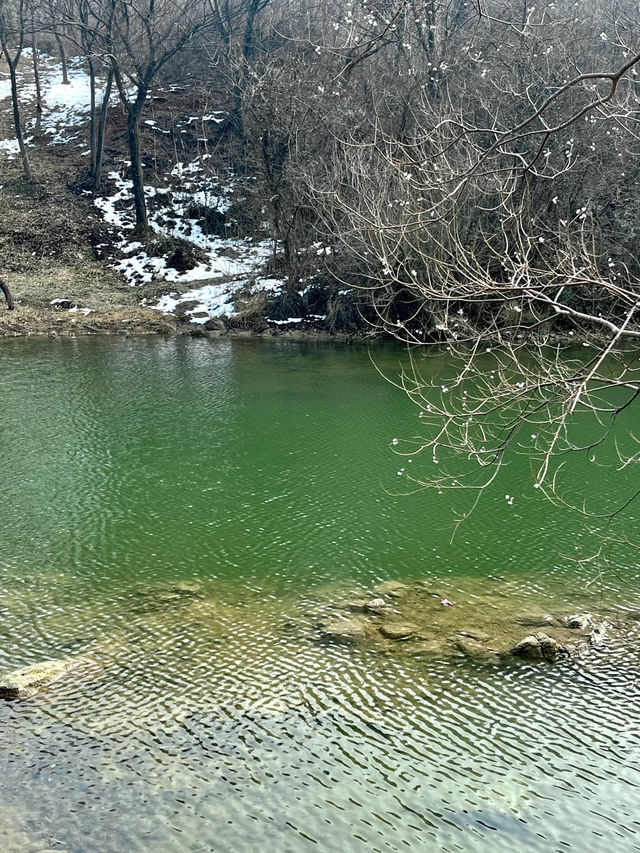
[57,253]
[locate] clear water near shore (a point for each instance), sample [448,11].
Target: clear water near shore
[171,508]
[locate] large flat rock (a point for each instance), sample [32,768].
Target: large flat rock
[25,682]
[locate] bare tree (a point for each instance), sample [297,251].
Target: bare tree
[36,73]
[93,31]
[13,22]
[490,223]
[142,36]
[7,295]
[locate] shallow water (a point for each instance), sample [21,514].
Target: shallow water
[174,513]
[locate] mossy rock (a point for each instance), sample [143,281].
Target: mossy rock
[399,630]
[24,683]
[345,631]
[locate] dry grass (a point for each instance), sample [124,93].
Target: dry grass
[27,320]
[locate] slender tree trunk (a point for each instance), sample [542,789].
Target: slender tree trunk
[26,166]
[7,295]
[102,124]
[92,120]
[236,119]
[63,58]
[36,77]
[134,112]
[133,134]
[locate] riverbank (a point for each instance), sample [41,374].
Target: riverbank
[72,322]
[75,263]
[210,262]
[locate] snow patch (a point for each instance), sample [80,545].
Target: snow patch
[224,257]
[214,300]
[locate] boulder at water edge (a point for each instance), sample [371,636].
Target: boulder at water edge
[398,630]
[537,647]
[23,683]
[345,631]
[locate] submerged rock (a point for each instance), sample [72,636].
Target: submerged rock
[345,631]
[481,625]
[376,607]
[399,630]
[393,589]
[479,638]
[173,594]
[535,621]
[577,622]
[356,606]
[474,649]
[24,683]
[189,588]
[538,647]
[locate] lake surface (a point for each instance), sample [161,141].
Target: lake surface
[174,512]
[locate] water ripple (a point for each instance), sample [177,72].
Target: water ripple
[178,513]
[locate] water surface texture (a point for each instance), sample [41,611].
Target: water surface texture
[173,515]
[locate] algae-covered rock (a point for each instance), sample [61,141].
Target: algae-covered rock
[393,589]
[398,630]
[537,647]
[345,631]
[376,607]
[24,683]
[577,622]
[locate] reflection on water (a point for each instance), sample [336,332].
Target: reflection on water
[174,515]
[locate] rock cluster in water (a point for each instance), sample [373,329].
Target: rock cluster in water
[484,624]
[485,620]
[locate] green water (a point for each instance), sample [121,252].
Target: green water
[261,474]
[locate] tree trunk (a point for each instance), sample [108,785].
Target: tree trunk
[7,295]
[36,77]
[92,120]
[26,166]
[100,131]
[63,58]
[142,222]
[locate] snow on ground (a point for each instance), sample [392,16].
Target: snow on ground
[226,265]
[215,116]
[214,300]
[229,262]
[290,320]
[224,257]
[9,147]
[65,107]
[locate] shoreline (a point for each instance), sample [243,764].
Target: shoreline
[29,323]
